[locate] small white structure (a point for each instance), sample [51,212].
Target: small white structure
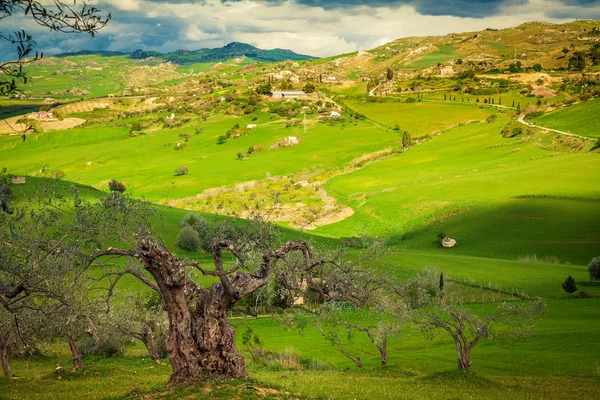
[251,126]
[290,140]
[172,116]
[292,94]
[19,180]
[335,114]
[448,242]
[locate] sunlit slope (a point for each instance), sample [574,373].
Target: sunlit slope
[464,183]
[146,163]
[580,119]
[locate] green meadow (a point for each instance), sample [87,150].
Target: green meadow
[579,119]
[525,211]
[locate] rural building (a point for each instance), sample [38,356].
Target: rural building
[19,180]
[251,126]
[292,94]
[447,71]
[290,140]
[335,114]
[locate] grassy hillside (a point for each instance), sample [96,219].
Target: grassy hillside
[464,182]
[523,205]
[580,119]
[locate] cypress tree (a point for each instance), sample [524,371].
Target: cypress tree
[569,285]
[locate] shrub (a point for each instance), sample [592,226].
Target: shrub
[491,118]
[569,285]
[102,345]
[257,148]
[116,186]
[181,170]
[221,139]
[188,239]
[410,100]
[594,269]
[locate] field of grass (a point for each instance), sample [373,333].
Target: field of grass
[113,154]
[558,362]
[445,53]
[525,217]
[464,183]
[579,119]
[418,118]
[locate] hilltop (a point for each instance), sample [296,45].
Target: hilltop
[231,50]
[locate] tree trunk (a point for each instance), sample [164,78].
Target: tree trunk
[383,351]
[201,343]
[6,361]
[76,354]
[149,341]
[464,362]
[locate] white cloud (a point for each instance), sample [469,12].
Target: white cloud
[195,34]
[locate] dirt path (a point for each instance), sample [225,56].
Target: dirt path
[521,120]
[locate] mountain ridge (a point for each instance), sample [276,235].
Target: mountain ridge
[230,50]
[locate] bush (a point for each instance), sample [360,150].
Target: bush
[221,139]
[594,269]
[104,345]
[181,170]
[116,186]
[491,118]
[188,239]
[410,100]
[257,148]
[200,225]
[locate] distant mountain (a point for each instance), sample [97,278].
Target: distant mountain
[232,50]
[91,52]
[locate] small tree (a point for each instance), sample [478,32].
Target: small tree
[116,186]
[309,87]
[182,170]
[188,239]
[465,327]
[143,319]
[406,139]
[569,285]
[222,139]
[389,74]
[594,269]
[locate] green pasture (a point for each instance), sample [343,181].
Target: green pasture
[53,77]
[580,119]
[444,53]
[418,118]
[146,163]
[465,182]
[558,362]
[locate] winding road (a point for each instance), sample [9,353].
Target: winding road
[521,120]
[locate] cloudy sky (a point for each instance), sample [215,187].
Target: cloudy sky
[314,27]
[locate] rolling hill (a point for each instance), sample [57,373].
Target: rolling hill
[231,50]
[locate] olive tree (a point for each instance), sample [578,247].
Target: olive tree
[464,324]
[142,318]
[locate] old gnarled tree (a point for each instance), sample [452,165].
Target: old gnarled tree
[200,341]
